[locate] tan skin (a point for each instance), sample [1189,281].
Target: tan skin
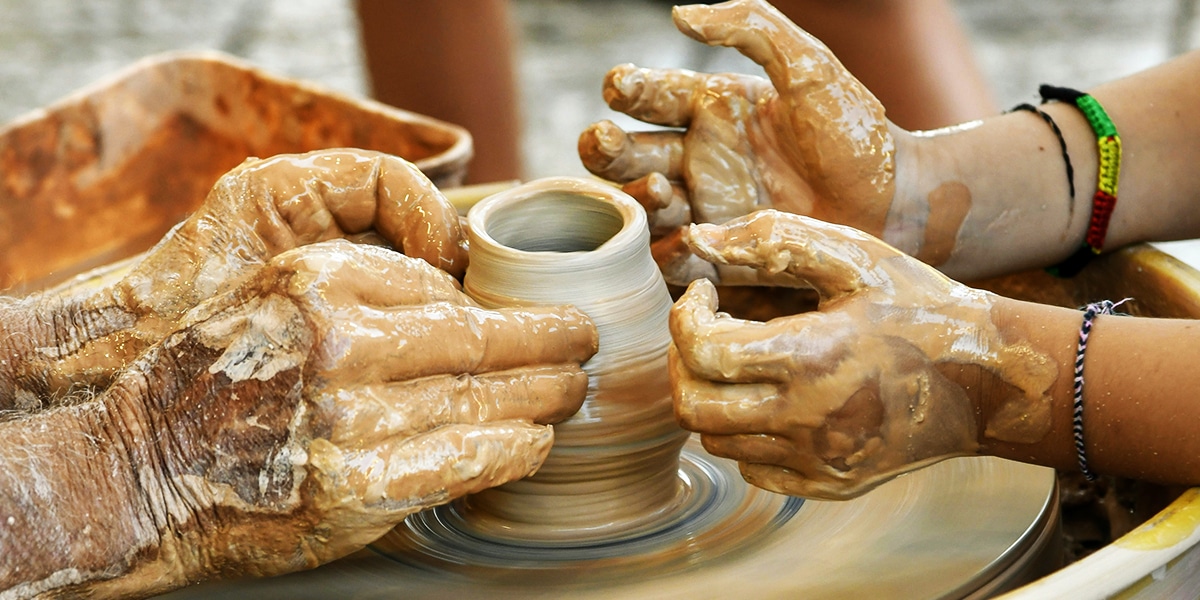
[957,196]
[285,400]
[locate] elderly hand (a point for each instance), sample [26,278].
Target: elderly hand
[812,140]
[293,420]
[77,336]
[887,375]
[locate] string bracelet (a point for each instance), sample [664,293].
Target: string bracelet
[1062,145]
[1108,143]
[1090,312]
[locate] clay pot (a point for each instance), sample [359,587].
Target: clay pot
[614,465]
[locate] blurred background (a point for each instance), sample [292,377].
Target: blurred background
[562,48]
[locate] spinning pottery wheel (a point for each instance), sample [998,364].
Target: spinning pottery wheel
[962,528]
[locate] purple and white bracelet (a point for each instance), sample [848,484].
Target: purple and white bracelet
[1090,312]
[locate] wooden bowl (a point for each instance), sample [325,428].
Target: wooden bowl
[105,172]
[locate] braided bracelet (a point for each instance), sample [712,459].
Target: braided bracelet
[1104,307]
[1108,143]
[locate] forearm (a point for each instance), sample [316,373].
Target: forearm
[70,509]
[1011,178]
[1155,114]
[994,184]
[1139,401]
[66,343]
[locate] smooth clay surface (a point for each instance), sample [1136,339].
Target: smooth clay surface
[614,465]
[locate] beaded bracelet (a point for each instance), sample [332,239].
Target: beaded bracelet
[1090,312]
[1108,143]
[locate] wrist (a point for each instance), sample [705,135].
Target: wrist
[1039,382]
[220,453]
[141,409]
[965,191]
[935,209]
[904,226]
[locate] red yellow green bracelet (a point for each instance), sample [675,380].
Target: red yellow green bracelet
[1108,143]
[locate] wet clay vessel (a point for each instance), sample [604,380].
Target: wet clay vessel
[614,464]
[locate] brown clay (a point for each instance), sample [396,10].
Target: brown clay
[614,467]
[949,204]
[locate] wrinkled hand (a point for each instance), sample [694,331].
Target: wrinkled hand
[297,418]
[97,324]
[812,140]
[266,206]
[882,378]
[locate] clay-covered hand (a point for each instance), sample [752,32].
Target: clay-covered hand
[343,386]
[884,377]
[81,333]
[810,140]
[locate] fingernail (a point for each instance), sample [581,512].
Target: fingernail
[706,234]
[610,139]
[658,187]
[624,82]
[684,16]
[600,144]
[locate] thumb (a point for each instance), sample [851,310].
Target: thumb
[833,259]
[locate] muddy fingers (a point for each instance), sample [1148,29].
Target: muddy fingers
[253,213]
[810,139]
[839,125]
[660,96]
[882,378]
[666,203]
[406,474]
[538,394]
[610,152]
[304,198]
[833,259]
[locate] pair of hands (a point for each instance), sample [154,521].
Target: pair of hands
[827,404]
[293,394]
